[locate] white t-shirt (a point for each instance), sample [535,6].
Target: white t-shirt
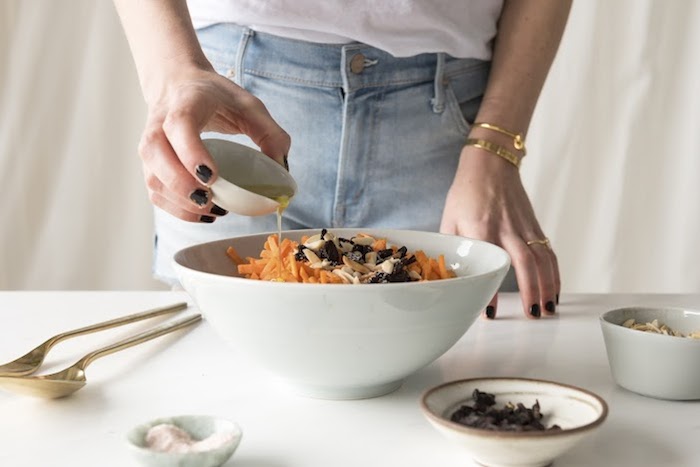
[461,28]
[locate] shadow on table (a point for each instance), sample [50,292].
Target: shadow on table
[621,443]
[247,461]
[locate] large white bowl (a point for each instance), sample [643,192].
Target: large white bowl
[654,365]
[343,341]
[577,412]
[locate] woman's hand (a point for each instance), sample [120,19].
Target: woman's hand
[185,96]
[487,201]
[177,168]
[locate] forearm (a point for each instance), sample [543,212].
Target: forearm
[162,41]
[529,33]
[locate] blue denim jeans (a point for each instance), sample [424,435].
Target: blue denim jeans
[375,139]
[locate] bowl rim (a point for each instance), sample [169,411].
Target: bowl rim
[512,434]
[233,444]
[501,251]
[604,322]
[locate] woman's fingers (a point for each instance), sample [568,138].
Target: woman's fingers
[185,209]
[545,275]
[189,112]
[164,172]
[176,209]
[526,273]
[537,274]
[491,308]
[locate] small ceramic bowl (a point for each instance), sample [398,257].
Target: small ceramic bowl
[199,427]
[578,412]
[249,181]
[655,365]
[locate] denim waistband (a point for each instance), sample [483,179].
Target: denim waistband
[349,66]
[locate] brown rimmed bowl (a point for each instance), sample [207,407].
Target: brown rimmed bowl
[577,411]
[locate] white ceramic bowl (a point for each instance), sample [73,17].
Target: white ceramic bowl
[242,167]
[655,365]
[198,427]
[343,341]
[577,411]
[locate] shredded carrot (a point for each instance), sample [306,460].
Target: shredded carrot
[233,254]
[379,244]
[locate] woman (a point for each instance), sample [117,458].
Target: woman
[380,100]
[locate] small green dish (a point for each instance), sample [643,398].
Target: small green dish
[199,427]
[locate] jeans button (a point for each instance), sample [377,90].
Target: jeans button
[357,64]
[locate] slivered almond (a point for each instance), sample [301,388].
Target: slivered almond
[371,258]
[355,265]
[363,240]
[325,264]
[313,238]
[387,265]
[315,245]
[311,256]
[347,278]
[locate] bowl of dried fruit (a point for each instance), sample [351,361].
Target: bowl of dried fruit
[507,422]
[654,351]
[346,313]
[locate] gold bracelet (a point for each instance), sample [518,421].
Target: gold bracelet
[496,149]
[518,138]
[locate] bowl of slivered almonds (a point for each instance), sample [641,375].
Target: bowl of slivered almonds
[654,351]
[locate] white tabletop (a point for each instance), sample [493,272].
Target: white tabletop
[193,372]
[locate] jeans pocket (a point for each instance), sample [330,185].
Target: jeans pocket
[464,92]
[454,108]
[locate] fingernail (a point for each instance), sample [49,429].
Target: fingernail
[207,219]
[286,163]
[549,306]
[204,173]
[218,210]
[200,197]
[557,299]
[490,312]
[535,311]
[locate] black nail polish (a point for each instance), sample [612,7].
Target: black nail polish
[218,210]
[286,163]
[557,299]
[204,173]
[549,306]
[200,197]
[207,219]
[535,310]
[490,312]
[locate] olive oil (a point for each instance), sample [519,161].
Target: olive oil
[284,202]
[283,196]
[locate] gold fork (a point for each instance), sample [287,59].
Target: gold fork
[32,360]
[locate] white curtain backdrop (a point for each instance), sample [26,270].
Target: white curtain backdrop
[613,166]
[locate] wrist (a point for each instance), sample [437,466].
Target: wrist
[161,75]
[477,163]
[504,143]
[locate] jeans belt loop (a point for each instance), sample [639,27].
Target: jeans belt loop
[438,101]
[245,38]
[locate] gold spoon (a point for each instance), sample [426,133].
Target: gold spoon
[68,381]
[32,360]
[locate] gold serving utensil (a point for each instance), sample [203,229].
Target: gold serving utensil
[70,380]
[32,360]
